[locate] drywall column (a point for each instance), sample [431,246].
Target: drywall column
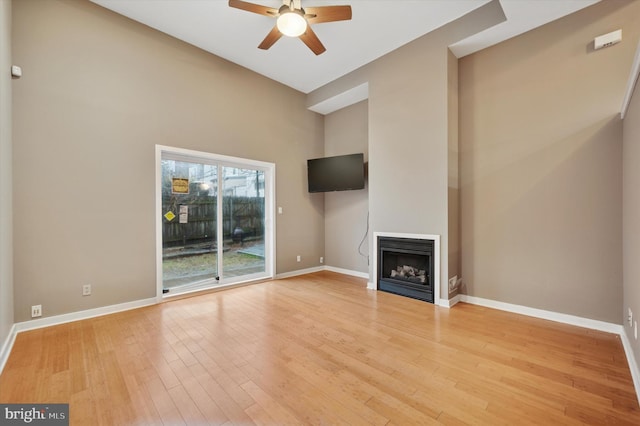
[453,193]
[408,131]
[6,191]
[408,143]
[631,216]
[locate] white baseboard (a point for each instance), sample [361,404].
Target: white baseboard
[548,315]
[371,286]
[631,360]
[81,315]
[299,272]
[7,346]
[323,268]
[449,303]
[347,272]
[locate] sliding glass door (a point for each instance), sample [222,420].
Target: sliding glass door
[189,207]
[214,224]
[243,221]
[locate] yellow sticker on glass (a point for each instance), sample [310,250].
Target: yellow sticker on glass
[179,186]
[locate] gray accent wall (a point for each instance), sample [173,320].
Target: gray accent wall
[6,209]
[541,165]
[99,91]
[345,212]
[631,217]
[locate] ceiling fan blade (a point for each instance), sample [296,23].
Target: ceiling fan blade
[312,41]
[255,8]
[318,15]
[273,36]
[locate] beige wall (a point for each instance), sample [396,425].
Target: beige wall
[6,227]
[541,160]
[631,215]
[98,92]
[345,212]
[540,154]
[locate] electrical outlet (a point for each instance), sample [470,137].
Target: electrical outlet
[36,311]
[86,290]
[321,259]
[298,258]
[630,318]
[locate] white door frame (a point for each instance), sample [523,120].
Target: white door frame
[269,170]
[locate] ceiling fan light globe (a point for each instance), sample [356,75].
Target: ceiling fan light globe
[291,24]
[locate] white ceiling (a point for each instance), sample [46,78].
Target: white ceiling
[377,27]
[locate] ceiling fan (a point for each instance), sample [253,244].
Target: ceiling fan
[294,21]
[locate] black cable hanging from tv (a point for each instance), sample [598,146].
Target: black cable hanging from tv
[365,255]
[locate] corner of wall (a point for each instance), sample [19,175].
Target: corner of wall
[6,183]
[453,193]
[631,360]
[631,83]
[630,222]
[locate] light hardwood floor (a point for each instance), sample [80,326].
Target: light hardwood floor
[322,349]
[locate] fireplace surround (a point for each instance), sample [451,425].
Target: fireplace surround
[407,264]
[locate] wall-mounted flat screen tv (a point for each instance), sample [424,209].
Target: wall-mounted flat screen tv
[341,173]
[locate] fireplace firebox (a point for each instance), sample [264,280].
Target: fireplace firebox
[406,267]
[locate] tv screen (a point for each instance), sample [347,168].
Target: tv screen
[341,173]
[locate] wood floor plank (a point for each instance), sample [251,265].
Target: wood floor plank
[145,411]
[164,403]
[259,416]
[270,405]
[339,391]
[188,408]
[322,349]
[231,409]
[224,381]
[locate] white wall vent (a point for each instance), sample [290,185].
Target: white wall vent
[607,40]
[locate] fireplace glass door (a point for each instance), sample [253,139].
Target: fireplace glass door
[406,267]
